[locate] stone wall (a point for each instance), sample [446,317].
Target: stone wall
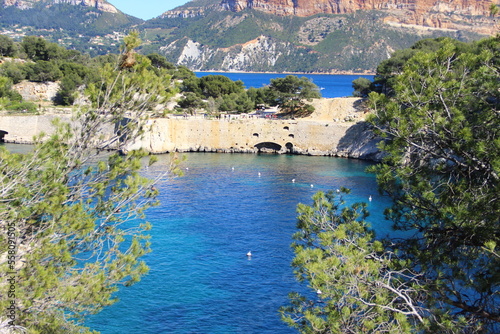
[22,129]
[260,135]
[327,133]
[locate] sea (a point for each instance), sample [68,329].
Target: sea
[330,85]
[224,206]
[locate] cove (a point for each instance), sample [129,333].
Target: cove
[330,85]
[200,279]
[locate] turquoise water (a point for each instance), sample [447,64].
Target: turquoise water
[330,85]
[201,280]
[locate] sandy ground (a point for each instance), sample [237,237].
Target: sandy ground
[345,109]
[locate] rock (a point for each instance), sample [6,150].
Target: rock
[101,5]
[452,14]
[37,91]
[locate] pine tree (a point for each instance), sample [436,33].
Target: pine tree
[71,213]
[441,126]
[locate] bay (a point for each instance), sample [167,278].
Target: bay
[331,85]
[200,279]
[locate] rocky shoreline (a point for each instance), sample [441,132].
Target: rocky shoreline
[337,128]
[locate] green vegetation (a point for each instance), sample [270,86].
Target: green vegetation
[72,213]
[43,61]
[40,61]
[361,87]
[11,100]
[75,26]
[291,92]
[218,93]
[318,43]
[311,44]
[35,59]
[215,93]
[439,119]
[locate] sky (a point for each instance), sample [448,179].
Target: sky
[146,9]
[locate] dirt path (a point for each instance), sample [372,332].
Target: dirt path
[342,110]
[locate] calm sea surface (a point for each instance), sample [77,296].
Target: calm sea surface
[330,85]
[201,280]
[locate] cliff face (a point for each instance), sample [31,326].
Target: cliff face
[312,7]
[431,13]
[101,5]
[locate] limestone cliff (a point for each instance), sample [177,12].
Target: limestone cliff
[235,58]
[322,36]
[312,7]
[430,13]
[101,5]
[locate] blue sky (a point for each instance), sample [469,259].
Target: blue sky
[146,9]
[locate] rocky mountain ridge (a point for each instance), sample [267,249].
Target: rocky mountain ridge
[470,15]
[321,36]
[312,7]
[101,5]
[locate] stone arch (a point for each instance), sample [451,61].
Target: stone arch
[268,147]
[2,136]
[289,148]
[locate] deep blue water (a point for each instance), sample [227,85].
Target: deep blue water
[330,85]
[200,279]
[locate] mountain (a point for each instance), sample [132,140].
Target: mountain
[325,36]
[92,26]
[452,14]
[101,5]
[307,35]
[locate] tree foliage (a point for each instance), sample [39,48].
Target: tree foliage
[219,85]
[361,86]
[6,46]
[223,93]
[291,93]
[359,288]
[293,87]
[441,127]
[389,69]
[443,173]
[75,213]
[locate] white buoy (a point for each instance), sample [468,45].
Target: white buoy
[249,253]
[232,168]
[293,180]
[259,174]
[338,190]
[370,198]
[312,185]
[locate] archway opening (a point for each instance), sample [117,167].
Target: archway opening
[268,147]
[2,136]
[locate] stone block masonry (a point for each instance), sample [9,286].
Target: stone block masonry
[325,133]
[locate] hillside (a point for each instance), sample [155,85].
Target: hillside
[306,36]
[324,36]
[92,26]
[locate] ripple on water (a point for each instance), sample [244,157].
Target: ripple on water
[200,279]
